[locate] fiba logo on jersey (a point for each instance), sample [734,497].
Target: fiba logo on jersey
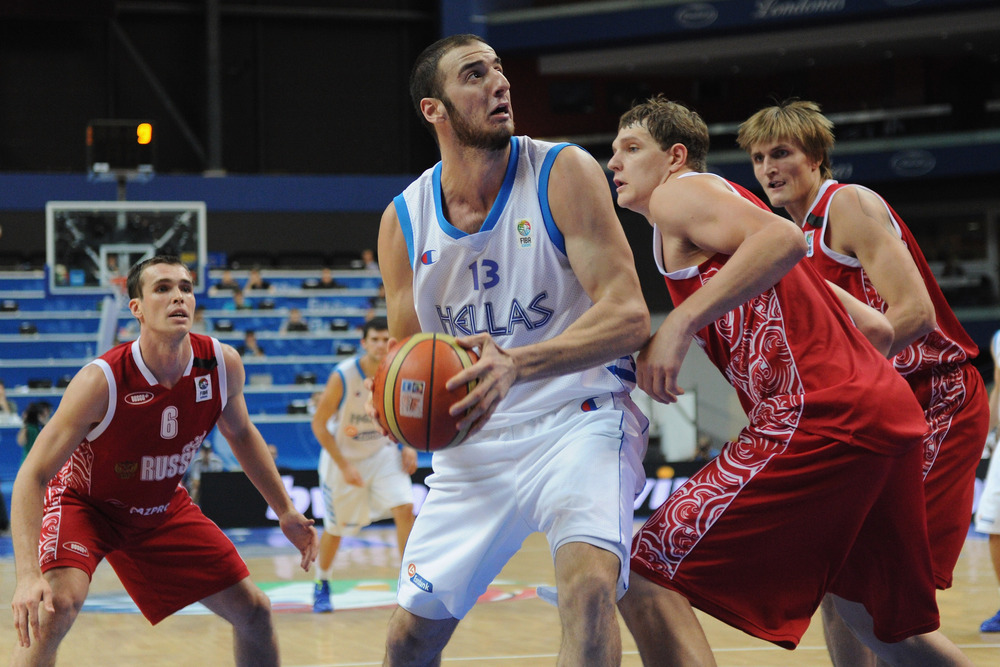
[524,233]
[809,242]
[203,388]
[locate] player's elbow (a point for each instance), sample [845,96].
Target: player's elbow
[635,326]
[926,317]
[794,242]
[880,335]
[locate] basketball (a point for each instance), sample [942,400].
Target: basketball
[409,392]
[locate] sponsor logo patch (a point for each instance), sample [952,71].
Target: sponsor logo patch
[411,398]
[419,581]
[429,257]
[76,547]
[139,397]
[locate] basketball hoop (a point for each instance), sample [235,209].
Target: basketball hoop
[119,285]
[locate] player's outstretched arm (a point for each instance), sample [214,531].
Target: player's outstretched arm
[81,408]
[251,451]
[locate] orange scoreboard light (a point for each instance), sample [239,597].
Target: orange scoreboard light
[120,148]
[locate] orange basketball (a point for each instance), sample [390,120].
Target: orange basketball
[409,392]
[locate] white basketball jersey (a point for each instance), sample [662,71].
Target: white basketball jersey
[356,435]
[511,279]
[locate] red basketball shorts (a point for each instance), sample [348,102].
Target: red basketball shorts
[958,414]
[760,534]
[164,569]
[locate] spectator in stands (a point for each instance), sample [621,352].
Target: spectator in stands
[7,406]
[325,281]
[33,420]
[227,283]
[294,321]
[313,402]
[376,304]
[250,346]
[239,301]
[368,257]
[257,283]
[207,461]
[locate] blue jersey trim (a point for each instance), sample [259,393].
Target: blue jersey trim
[405,225]
[496,211]
[622,374]
[543,198]
[508,186]
[343,383]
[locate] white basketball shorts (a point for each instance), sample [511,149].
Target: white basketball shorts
[572,474]
[988,512]
[347,508]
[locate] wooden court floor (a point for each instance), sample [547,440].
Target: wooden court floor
[512,628]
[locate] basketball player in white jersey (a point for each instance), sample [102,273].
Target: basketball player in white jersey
[988,512]
[513,245]
[363,475]
[103,480]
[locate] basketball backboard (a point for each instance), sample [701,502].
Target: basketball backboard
[91,243]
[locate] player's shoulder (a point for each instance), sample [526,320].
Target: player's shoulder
[852,197]
[569,156]
[231,357]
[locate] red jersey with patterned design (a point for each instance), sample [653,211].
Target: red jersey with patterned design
[947,344]
[130,465]
[797,361]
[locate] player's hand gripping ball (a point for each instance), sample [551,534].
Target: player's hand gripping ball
[409,392]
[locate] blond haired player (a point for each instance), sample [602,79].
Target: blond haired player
[857,241]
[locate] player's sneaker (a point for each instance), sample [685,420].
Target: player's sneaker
[321,598]
[991,624]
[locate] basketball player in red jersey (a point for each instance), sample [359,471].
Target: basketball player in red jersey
[858,242]
[103,481]
[821,492]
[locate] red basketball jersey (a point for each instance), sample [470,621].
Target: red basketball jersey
[948,343]
[797,361]
[130,465]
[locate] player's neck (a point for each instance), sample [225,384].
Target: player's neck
[165,358]
[472,177]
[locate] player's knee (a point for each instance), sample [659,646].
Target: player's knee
[412,639]
[255,614]
[402,637]
[67,605]
[588,593]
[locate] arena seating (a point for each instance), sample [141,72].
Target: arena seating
[45,339]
